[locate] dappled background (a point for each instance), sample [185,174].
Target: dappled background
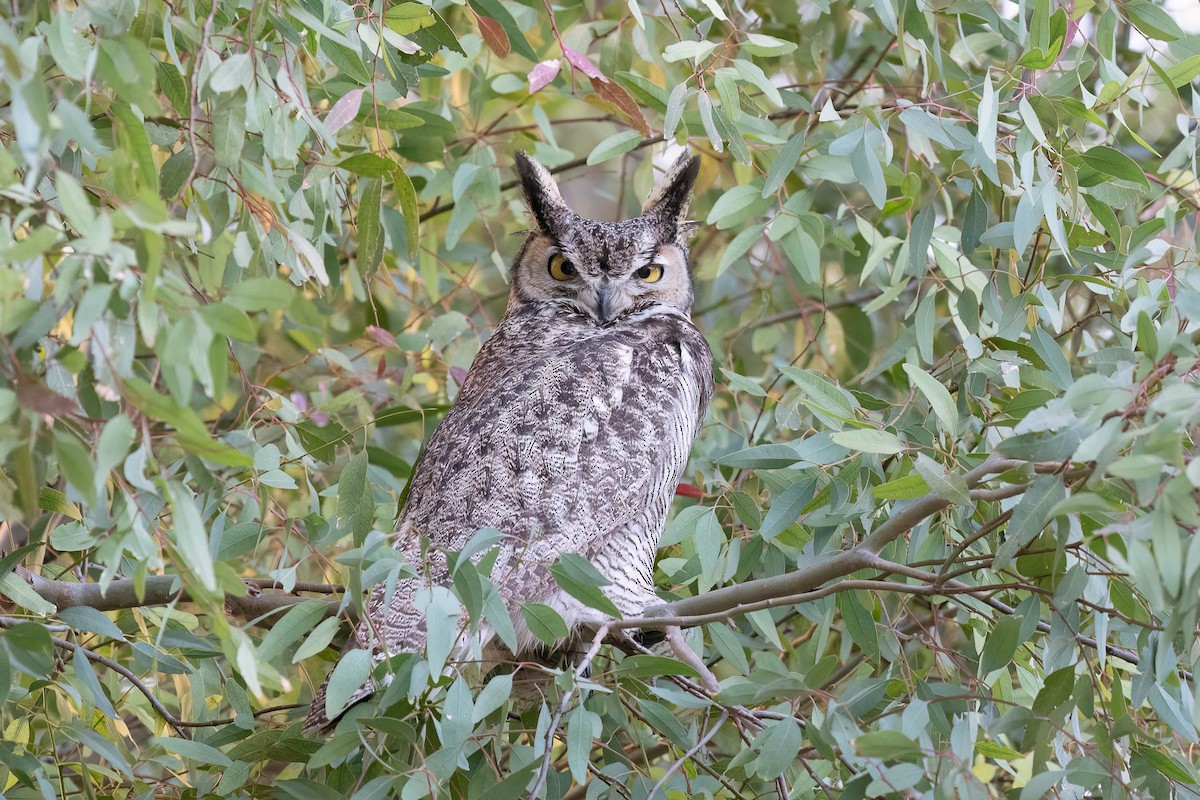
[947,267]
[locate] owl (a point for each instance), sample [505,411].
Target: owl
[570,430]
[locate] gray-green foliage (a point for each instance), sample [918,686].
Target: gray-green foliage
[948,269]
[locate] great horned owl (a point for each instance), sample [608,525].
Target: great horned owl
[572,426]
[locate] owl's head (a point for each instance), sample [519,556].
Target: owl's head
[606,271]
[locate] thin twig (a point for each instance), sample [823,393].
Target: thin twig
[552,729]
[194,100]
[130,676]
[693,750]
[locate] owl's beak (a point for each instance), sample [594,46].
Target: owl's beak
[604,301]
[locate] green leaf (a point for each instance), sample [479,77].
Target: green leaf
[580,732]
[70,50]
[989,110]
[29,643]
[348,62]
[830,402]
[20,592]
[576,576]
[1183,72]
[75,465]
[408,206]
[235,72]
[868,170]
[369,165]
[1001,644]
[75,202]
[137,143]
[298,621]
[87,676]
[860,625]
[191,537]
[777,745]
[317,640]
[937,395]
[803,253]
[229,129]
[228,320]
[370,228]
[998,751]
[644,666]
[172,85]
[787,507]
[261,294]
[56,502]
[1166,765]
[887,745]
[544,622]
[919,237]
[733,203]
[908,487]
[356,505]
[974,223]
[85,618]
[1030,517]
[759,44]
[1153,21]
[388,119]
[765,456]
[1055,691]
[706,119]
[192,750]
[674,113]
[1041,447]
[869,440]
[437,36]
[321,441]
[1109,163]
[346,679]
[613,146]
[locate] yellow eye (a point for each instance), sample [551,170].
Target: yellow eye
[560,268]
[650,273]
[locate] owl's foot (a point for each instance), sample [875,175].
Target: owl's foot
[688,656]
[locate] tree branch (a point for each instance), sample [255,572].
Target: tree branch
[749,595]
[163,589]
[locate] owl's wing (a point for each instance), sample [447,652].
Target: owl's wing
[558,442]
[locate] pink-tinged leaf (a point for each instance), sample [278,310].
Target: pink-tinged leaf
[615,95]
[382,338]
[344,110]
[1072,29]
[494,34]
[580,62]
[542,74]
[459,375]
[687,490]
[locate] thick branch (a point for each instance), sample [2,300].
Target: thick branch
[161,590]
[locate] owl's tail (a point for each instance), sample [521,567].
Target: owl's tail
[318,722]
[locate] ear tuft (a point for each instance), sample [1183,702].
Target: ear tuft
[672,194]
[542,196]
[686,229]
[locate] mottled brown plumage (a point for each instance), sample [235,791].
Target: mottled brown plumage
[573,424]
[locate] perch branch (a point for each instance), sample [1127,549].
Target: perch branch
[163,589]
